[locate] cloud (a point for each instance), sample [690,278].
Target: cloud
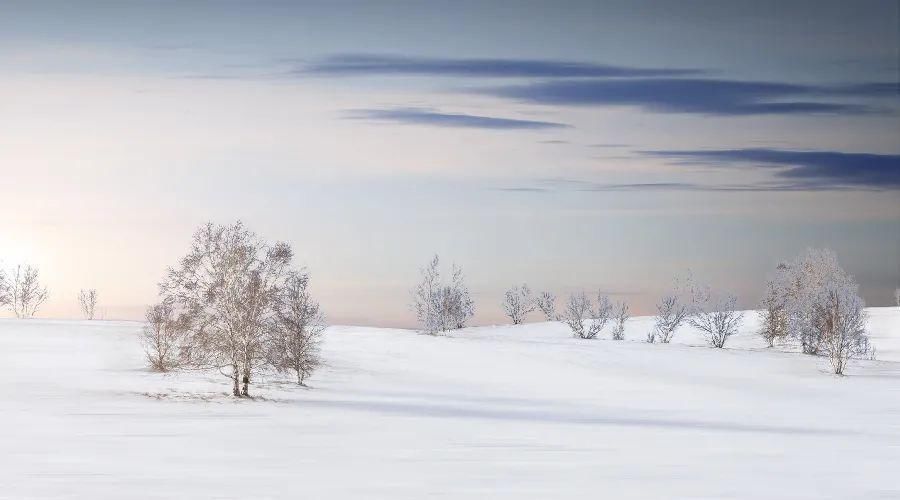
[368,64]
[694,95]
[588,186]
[420,116]
[809,169]
[794,171]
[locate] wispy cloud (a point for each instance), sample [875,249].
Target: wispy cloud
[422,116]
[370,65]
[793,171]
[589,186]
[826,169]
[694,95]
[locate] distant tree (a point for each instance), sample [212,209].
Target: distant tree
[27,292]
[163,337]
[897,296]
[518,302]
[840,319]
[801,285]
[670,314]
[299,326]
[87,299]
[5,295]
[773,325]
[819,307]
[717,319]
[458,304]
[620,317]
[441,307]
[227,287]
[547,304]
[672,311]
[578,308]
[599,316]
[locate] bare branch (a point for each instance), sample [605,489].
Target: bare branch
[26,292]
[518,302]
[87,299]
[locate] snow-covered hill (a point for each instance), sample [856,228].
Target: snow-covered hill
[489,412]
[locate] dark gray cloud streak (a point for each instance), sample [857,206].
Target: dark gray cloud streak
[826,169]
[375,65]
[698,96]
[793,171]
[420,116]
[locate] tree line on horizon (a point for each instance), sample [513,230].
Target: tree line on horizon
[236,305]
[810,301]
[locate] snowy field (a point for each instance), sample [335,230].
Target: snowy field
[490,412]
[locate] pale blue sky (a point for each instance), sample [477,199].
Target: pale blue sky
[571,145]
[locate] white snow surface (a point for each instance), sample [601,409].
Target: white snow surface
[514,412]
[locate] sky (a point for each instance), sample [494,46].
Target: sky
[603,146]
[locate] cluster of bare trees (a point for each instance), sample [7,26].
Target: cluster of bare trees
[715,315]
[814,302]
[441,306]
[580,315]
[233,304]
[22,291]
[587,321]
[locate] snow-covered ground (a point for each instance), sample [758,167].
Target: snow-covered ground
[489,412]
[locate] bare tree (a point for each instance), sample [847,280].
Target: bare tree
[670,314]
[547,304]
[518,302]
[897,296]
[599,316]
[27,292]
[773,325]
[620,317]
[801,283]
[440,307]
[674,309]
[426,302]
[163,336]
[88,301]
[227,286]
[5,296]
[578,308]
[718,319]
[818,305]
[299,326]
[459,306]
[840,318]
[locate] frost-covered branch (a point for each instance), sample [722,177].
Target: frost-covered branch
[518,302]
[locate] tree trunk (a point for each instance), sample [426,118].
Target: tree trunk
[245,390]
[236,387]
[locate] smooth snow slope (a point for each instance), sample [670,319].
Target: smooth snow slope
[502,412]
